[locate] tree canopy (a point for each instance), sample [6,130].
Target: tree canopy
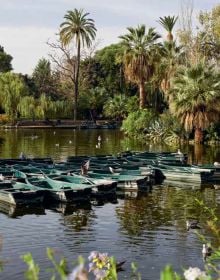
[5,61]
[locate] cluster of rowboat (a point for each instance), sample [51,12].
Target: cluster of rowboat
[81,178]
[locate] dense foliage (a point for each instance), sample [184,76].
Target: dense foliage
[177,77]
[5,61]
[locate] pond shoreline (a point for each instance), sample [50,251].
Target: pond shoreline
[64,124]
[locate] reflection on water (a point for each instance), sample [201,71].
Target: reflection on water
[15,211]
[67,208]
[61,143]
[148,228]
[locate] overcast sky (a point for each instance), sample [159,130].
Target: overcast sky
[26,25]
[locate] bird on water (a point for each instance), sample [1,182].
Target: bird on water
[206,251]
[192,225]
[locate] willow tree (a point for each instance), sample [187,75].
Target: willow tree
[196,98]
[12,90]
[80,30]
[45,107]
[27,107]
[138,58]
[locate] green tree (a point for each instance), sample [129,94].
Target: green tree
[140,47]
[196,98]
[137,123]
[92,101]
[209,33]
[44,79]
[12,89]
[80,29]
[112,70]
[5,61]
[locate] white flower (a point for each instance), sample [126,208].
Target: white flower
[194,273]
[78,273]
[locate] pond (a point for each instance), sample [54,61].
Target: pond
[146,228]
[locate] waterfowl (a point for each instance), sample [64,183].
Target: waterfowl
[22,156]
[34,136]
[217,187]
[99,138]
[206,251]
[98,145]
[111,170]
[119,266]
[192,225]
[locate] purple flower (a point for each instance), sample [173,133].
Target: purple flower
[99,273]
[93,255]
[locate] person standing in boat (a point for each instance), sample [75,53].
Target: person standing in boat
[85,168]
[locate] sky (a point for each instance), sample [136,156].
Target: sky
[26,25]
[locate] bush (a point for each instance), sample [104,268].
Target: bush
[137,123]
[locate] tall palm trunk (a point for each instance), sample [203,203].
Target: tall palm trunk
[142,95]
[198,152]
[76,88]
[198,137]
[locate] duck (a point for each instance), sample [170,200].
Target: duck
[22,156]
[111,170]
[98,146]
[216,164]
[206,251]
[192,225]
[119,266]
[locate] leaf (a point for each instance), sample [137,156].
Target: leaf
[167,273]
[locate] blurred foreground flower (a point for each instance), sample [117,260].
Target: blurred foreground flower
[78,273]
[99,264]
[194,273]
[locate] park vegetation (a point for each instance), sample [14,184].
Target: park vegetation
[157,89]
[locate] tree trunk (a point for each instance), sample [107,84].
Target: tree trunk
[198,152]
[142,96]
[198,137]
[76,88]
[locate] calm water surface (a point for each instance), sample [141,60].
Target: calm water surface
[146,228]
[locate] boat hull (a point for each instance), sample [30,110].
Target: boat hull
[21,197]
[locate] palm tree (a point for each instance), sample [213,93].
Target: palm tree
[116,107]
[171,59]
[196,98]
[140,47]
[168,24]
[170,55]
[79,28]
